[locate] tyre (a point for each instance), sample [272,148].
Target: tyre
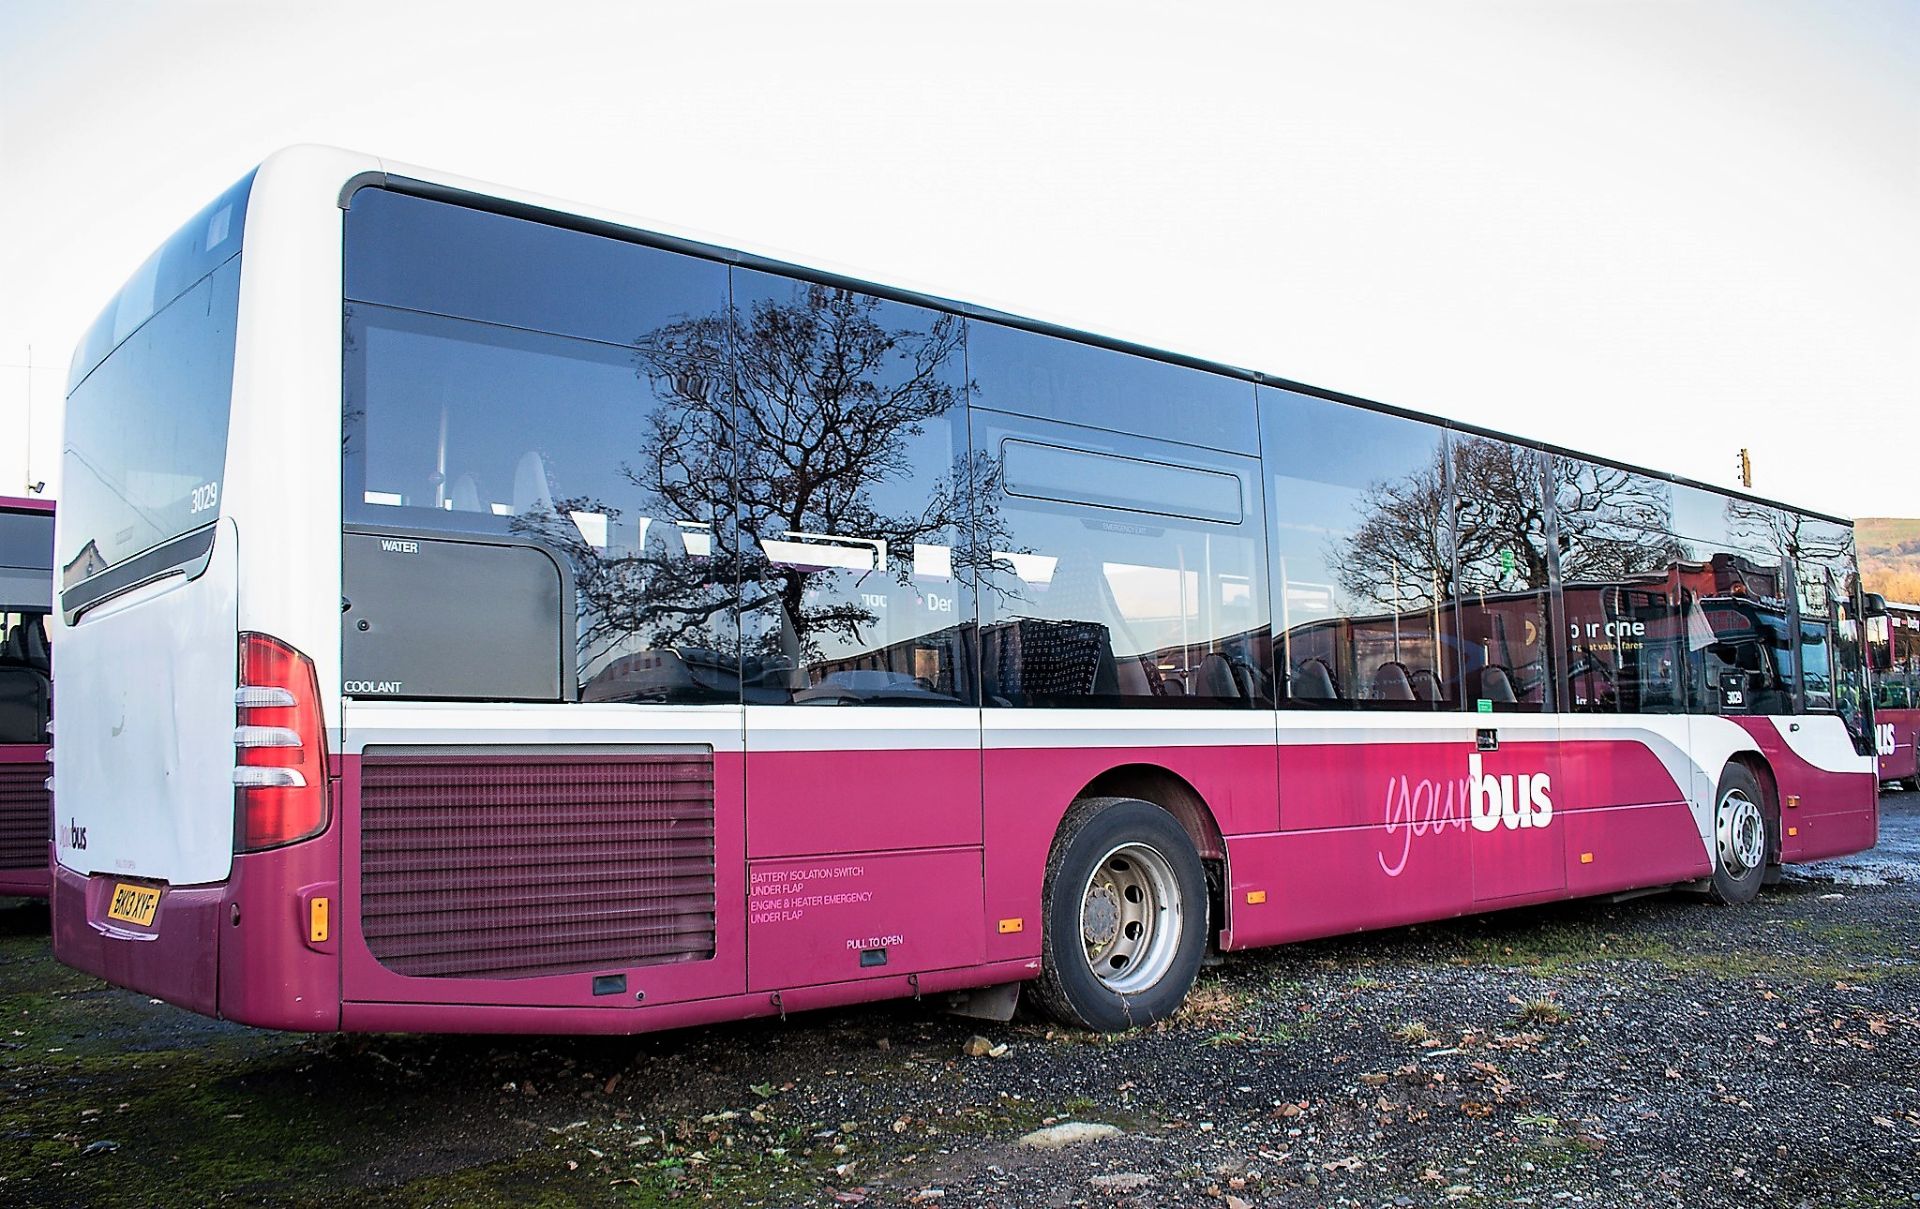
[1125,916]
[1910,784]
[1743,836]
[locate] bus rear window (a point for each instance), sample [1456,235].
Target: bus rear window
[147,433]
[146,444]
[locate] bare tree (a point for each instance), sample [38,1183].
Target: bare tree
[1410,551]
[788,419]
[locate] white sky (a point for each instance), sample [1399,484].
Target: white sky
[1653,230]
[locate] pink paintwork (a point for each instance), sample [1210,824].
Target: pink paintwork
[365,980]
[1383,834]
[1318,838]
[1027,790]
[804,802]
[236,949]
[1822,813]
[865,916]
[1900,758]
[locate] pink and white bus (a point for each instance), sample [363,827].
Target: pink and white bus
[26,695]
[479,612]
[1894,645]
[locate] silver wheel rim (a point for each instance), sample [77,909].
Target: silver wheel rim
[1742,834]
[1130,918]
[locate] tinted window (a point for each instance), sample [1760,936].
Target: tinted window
[430,256]
[1501,558]
[1033,375]
[146,444]
[1362,558]
[1708,521]
[1087,606]
[1627,636]
[1833,672]
[855,488]
[26,690]
[1742,656]
[208,240]
[1613,523]
[26,540]
[26,560]
[1623,575]
[621,478]
[1075,476]
[569,390]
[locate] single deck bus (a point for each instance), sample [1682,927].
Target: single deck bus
[26,695]
[1894,645]
[478,612]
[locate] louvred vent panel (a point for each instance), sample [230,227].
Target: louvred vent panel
[510,867]
[26,815]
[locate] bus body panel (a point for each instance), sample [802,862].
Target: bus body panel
[858,852]
[176,957]
[242,949]
[286,405]
[1829,793]
[1899,743]
[1036,762]
[146,756]
[578,731]
[514,1018]
[917,783]
[28,819]
[26,594]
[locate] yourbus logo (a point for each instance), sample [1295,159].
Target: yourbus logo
[1510,800]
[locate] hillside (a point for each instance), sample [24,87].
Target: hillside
[1889,550]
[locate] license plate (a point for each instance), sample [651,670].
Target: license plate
[134,904]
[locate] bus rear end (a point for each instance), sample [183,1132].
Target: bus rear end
[193,847]
[26,694]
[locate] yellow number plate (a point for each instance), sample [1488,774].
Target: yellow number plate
[135,904]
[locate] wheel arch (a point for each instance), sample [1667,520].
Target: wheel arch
[1171,792]
[1762,771]
[1176,795]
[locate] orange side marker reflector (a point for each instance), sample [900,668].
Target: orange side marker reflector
[1793,801]
[1793,831]
[1256,897]
[319,927]
[1010,926]
[1586,858]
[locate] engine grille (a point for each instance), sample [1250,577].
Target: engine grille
[26,815]
[509,867]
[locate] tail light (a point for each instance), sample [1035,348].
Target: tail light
[280,781]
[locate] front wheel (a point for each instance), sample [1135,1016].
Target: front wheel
[1743,836]
[1125,904]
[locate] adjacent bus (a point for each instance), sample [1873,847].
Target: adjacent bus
[1894,644]
[478,612]
[26,695]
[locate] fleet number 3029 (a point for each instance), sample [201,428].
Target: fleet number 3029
[206,496]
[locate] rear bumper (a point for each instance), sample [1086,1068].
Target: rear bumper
[177,959]
[237,949]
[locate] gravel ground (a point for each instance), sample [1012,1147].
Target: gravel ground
[1659,1051]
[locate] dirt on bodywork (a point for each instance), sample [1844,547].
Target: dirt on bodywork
[1659,1051]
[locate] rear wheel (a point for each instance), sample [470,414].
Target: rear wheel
[1743,836]
[1125,904]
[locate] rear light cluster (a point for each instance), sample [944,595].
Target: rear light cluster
[280,781]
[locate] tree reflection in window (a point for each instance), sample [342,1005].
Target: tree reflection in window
[788,454]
